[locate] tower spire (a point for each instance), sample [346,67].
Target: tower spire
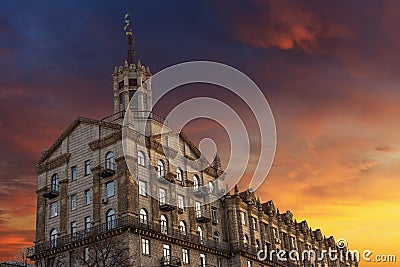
[129,35]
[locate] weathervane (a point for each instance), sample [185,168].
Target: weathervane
[128,32]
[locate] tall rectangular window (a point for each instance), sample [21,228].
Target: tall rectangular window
[87,197]
[219,262]
[145,246]
[167,253]
[181,202]
[110,189]
[254,223]
[202,260]
[86,256]
[185,256]
[87,167]
[142,188]
[73,228]
[214,214]
[88,223]
[73,202]
[243,216]
[53,209]
[162,196]
[73,173]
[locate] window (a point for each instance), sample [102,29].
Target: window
[182,227]
[195,182]
[53,237]
[164,224]
[110,189]
[87,167]
[54,182]
[162,196]
[216,236]
[160,168]
[245,240]
[181,202]
[53,209]
[73,173]
[202,260]
[214,214]
[143,216]
[179,176]
[257,244]
[210,187]
[86,256]
[243,216]
[219,262]
[142,188]
[185,256]
[110,164]
[254,223]
[249,264]
[88,223]
[166,253]
[87,197]
[140,158]
[145,246]
[73,228]
[73,202]
[200,233]
[110,219]
[293,242]
[198,209]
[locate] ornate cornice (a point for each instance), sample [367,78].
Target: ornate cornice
[49,165]
[106,140]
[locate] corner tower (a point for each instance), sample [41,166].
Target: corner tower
[128,80]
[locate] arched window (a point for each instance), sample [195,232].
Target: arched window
[179,175]
[200,233]
[164,224]
[143,216]
[160,168]
[110,161]
[182,227]
[140,158]
[53,237]
[257,244]
[210,187]
[195,182]
[216,236]
[245,240]
[54,182]
[110,218]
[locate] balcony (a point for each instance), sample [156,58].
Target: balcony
[51,193]
[107,169]
[167,204]
[200,191]
[169,178]
[203,216]
[121,224]
[170,261]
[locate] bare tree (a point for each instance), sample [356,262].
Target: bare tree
[109,252]
[21,257]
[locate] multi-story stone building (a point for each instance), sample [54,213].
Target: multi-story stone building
[86,195]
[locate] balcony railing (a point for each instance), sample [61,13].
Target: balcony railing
[51,192]
[125,222]
[170,261]
[203,216]
[167,204]
[200,191]
[107,169]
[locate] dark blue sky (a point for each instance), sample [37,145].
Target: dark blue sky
[330,71]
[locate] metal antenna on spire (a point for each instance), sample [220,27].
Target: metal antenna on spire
[128,32]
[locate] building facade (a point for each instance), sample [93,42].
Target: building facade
[92,210]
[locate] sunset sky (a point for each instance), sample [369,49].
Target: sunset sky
[329,69]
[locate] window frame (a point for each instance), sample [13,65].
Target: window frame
[185,256]
[142,184]
[87,170]
[140,158]
[74,205]
[145,246]
[54,207]
[88,197]
[74,175]
[108,189]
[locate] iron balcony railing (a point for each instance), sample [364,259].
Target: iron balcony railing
[128,221]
